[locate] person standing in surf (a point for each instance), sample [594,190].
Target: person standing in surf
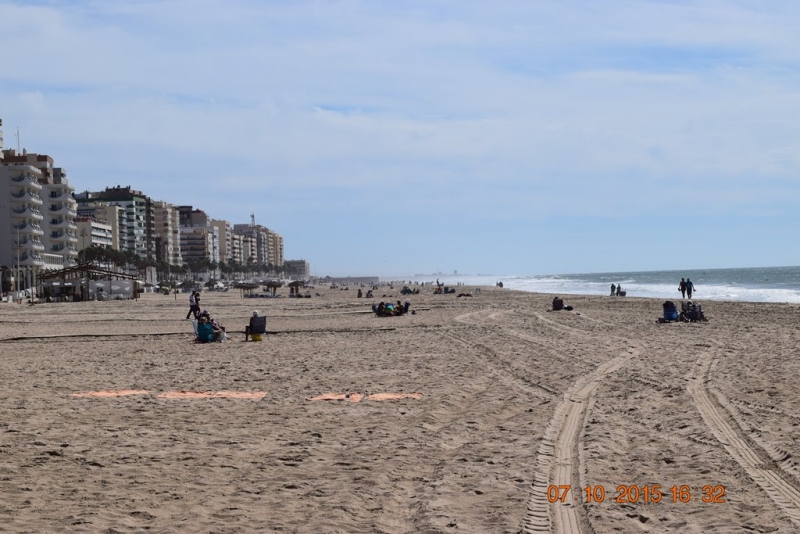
[682,288]
[689,288]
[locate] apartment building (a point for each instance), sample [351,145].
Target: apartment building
[275,248]
[137,221]
[47,204]
[167,233]
[106,214]
[297,268]
[92,232]
[225,232]
[199,238]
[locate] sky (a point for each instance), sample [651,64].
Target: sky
[394,138]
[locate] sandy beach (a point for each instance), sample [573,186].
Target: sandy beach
[500,401]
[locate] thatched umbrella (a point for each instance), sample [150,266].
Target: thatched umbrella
[245,287]
[273,285]
[295,286]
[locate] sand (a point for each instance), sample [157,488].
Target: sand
[112,420]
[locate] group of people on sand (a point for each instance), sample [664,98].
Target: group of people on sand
[387,309]
[686,287]
[209,329]
[617,291]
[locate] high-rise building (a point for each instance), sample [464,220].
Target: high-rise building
[167,233]
[199,238]
[50,206]
[297,268]
[275,248]
[106,214]
[136,226]
[225,232]
[92,232]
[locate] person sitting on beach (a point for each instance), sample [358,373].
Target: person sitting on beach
[692,312]
[369,293]
[257,326]
[219,330]
[205,332]
[359,294]
[558,304]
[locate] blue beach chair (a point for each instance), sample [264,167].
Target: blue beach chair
[204,332]
[670,312]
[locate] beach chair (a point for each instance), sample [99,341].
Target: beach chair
[692,312]
[204,332]
[670,312]
[258,328]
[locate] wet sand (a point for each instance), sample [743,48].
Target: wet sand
[500,400]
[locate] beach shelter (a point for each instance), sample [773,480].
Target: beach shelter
[273,285]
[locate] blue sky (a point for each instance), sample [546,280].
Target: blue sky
[393,138]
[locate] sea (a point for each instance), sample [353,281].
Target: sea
[756,284]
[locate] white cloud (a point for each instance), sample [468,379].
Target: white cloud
[611,98]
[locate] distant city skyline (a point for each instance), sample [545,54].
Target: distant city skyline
[382,138]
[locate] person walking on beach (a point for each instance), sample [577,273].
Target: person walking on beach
[682,288]
[689,288]
[192,306]
[613,289]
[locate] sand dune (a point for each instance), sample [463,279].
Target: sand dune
[112,420]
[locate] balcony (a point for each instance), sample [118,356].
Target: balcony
[27,212]
[30,244]
[62,187]
[27,195]
[30,259]
[60,236]
[26,178]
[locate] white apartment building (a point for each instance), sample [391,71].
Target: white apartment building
[37,214]
[167,233]
[225,233]
[136,220]
[60,236]
[106,214]
[92,232]
[275,248]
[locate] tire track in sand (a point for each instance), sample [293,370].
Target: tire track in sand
[776,481]
[558,460]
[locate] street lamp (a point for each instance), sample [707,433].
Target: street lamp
[16,278]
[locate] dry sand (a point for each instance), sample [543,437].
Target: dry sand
[512,399]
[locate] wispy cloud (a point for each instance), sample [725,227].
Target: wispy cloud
[492,108]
